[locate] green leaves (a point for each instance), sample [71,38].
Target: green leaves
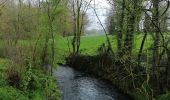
[10,93]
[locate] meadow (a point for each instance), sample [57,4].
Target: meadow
[90,44]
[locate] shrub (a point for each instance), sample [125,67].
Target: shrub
[13,77]
[10,93]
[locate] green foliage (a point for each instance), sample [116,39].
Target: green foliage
[11,93]
[33,84]
[4,63]
[51,90]
[30,81]
[39,85]
[138,96]
[164,97]
[27,32]
[143,93]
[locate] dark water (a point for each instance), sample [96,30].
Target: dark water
[76,85]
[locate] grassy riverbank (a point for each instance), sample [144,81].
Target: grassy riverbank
[15,87]
[89,46]
[21,78]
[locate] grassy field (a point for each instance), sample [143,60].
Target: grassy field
[90,45]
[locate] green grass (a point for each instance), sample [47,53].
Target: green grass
[90,44]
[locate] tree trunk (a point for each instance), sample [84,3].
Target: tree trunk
[141,48]
[168,70]
[156,50]
[129,35]
[120,34]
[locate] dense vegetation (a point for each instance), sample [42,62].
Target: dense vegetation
[140,70]
[35,35]
[26,49]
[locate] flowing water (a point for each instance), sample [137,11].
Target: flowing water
[76,85]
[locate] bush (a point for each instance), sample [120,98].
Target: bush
[51,89]
[10,93]
[13,77]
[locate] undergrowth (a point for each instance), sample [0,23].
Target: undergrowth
[29,84]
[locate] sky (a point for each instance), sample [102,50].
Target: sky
[102,8]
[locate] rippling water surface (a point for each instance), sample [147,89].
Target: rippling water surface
[76,85]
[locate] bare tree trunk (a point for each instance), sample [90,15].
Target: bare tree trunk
[75,29]
[79,5]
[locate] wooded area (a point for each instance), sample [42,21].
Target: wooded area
[37,35]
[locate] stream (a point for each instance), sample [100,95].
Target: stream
[76,85]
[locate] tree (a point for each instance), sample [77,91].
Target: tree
[50,8]
[111,23]
[79,9]
[121,26]
[134,10]
[156,48]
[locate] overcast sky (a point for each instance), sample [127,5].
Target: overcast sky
[102,8]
